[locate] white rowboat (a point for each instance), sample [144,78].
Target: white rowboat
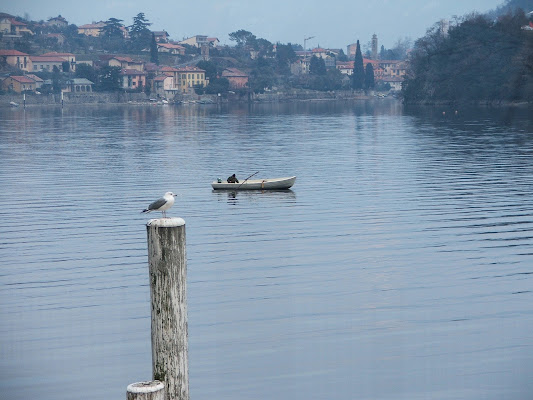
[257,184]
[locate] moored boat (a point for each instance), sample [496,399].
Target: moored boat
[256,184]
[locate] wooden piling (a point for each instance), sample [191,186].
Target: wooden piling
[168,292]
[151,390]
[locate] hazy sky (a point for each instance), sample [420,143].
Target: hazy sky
[334,24]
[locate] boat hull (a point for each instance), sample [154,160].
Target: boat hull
[257,184]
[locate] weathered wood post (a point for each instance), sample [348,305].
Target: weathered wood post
[152,390]
[168,292]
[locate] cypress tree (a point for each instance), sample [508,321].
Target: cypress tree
[369,76]
[154,55]
[358,76]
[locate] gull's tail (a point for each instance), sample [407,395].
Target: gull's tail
[145,210]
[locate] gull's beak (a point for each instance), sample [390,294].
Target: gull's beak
[175,195]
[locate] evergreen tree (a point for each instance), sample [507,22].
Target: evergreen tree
[112,29]
[56,84]
[109,79]
[358,76]
[139,32]
[369,76]
[317,66]
[285,55]
[210,69]
[154,55]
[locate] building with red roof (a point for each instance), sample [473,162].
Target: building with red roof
[46,63]
[18,84]
[132,79]
[16,59]
[237,79]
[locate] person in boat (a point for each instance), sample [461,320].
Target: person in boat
[233,179]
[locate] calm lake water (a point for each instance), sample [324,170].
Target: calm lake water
[399,266]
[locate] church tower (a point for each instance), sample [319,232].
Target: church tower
[374,47]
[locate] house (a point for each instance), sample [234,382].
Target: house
[38,81]
[161,36]
[394,82]
[196,41]
[393,68]
[345,67]
[132,79]
[300,66]
[163,85]
[9,26]
[16,59]
[71,58]
[18,84]
[19,28]
[58,21]
[168,71]
[79,85]
[46,63]
[213,41]
[126,63]
[187,78]
[5,23]
[94,29]
[151,68]
[170,48]
[237,79]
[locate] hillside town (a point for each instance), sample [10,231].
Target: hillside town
[54,56]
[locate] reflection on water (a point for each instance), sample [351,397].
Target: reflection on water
[399,266]
[248,195]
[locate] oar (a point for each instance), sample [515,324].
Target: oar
[247,179]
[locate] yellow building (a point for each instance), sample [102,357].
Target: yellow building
[93,30]
[187,78]
[18,84]
[17,59]
[71,58]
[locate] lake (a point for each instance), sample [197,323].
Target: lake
[399,266]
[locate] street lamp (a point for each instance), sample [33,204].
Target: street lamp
[305,41]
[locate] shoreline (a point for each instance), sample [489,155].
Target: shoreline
[98,98]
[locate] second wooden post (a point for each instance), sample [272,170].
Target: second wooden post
[168,292]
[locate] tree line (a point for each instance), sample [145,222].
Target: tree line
[482,58]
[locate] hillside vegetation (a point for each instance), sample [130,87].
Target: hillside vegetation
[480,59]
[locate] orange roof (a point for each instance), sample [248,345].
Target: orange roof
[12,53]
[233,72]
[168,69]
[53,53]
[92,26]
[22,79]
[170,46]
[34,77]
[132,72]
[190,69]
[119,58]
[15,22]
[47,59]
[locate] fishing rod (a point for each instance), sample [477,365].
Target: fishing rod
[247,179]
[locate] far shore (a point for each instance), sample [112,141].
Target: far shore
[32,99]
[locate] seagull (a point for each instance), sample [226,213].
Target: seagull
[162,204]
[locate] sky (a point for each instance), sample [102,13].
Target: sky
[332,24]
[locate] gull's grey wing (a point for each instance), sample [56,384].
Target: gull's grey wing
[157,204]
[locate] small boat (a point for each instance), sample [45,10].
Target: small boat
[13,104]
[256,184]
